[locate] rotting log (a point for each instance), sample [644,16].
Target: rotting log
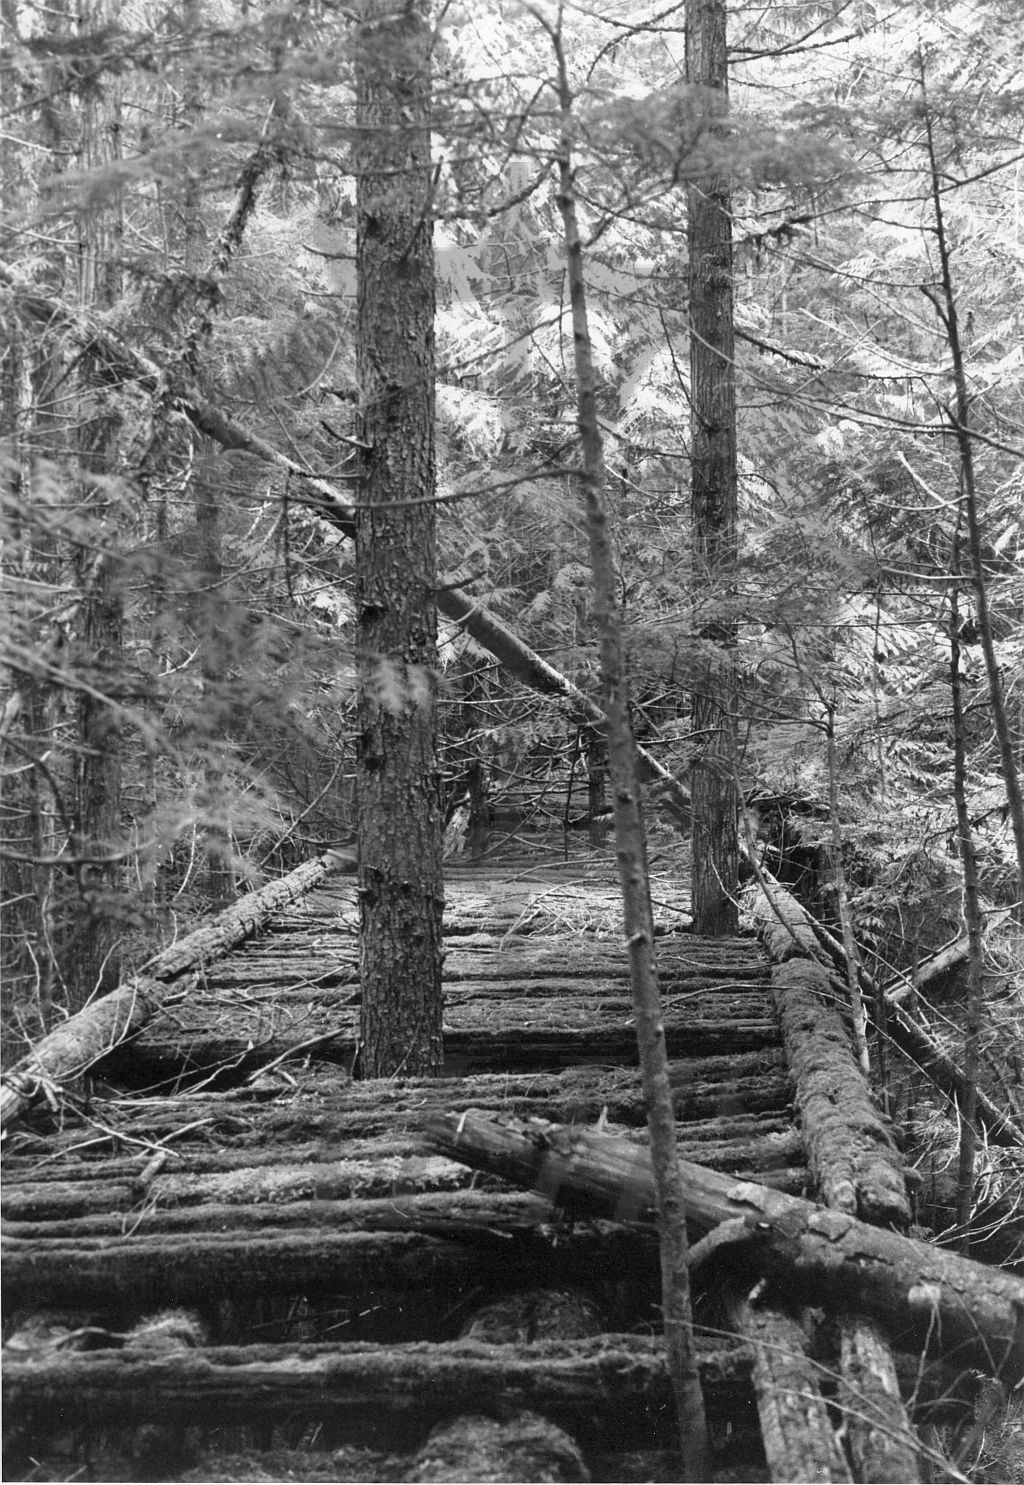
[856,1169]
[787,930]
[851,1153]
[902,989]
[799,1440]
[525,1446]
[611,1388]
[93,1032]
[919,1293]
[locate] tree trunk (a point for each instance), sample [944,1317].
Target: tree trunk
[398,795]
[713,455]
[967,1106]
[92,959]
[630,840]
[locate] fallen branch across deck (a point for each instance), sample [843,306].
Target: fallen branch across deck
[72,1048]
[925,1297]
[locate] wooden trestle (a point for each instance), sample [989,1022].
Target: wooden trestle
[227,1260]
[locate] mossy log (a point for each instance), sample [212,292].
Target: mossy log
[919,1293]
[850,1150]
[608,1389]
[856,1169]
[94,1031]
[788,930]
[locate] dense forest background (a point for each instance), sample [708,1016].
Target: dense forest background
[181,402]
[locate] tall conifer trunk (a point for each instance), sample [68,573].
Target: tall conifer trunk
[398,798]
[713,452]
[92,962]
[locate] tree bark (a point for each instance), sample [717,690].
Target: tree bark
[398,806]
[91,958]
[920,1293]
[714,497]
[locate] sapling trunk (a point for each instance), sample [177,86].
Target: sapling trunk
[853,966]
[944,303]
[967,1103]
[629,840]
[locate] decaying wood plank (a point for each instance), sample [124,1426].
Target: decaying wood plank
[94,1031]
[609,1388]
[921,1293]
[799,1441]
[856,1165]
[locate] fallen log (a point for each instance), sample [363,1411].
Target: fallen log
[856,1169]
[516,1447]
[921,1294]
[787,929]
[331,1110]
[903,989]
[94,1031]
[485,1036]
